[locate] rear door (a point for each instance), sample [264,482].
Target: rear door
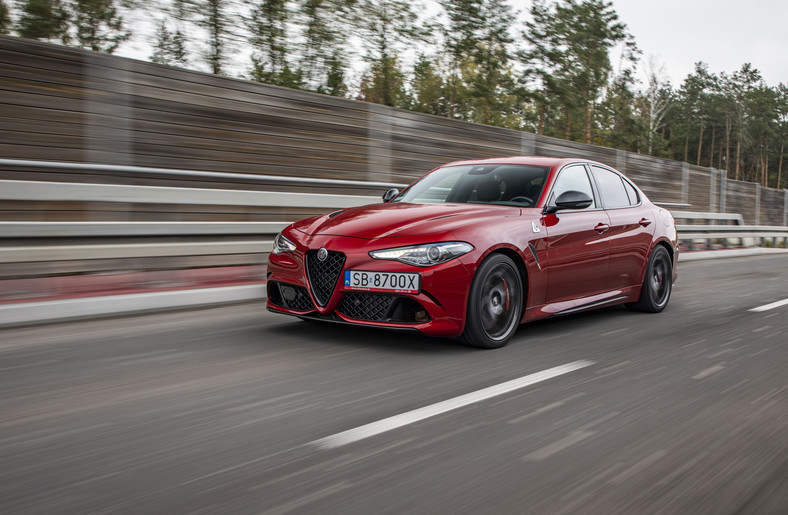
[631,228]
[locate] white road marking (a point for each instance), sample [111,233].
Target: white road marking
[767,307]
[410,417]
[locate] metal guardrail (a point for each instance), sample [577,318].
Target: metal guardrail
[91,167]
[692,215]
[690,234]
[51,251]
[113,229]
[744,233]
[67,191]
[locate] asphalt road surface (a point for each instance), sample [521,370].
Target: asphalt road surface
[236,410]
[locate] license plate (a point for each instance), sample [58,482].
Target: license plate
[400,282]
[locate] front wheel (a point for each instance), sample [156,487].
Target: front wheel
[495,304]
[657,284]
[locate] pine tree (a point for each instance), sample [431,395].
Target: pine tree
[386,27]
[5,18]
[384,83]
[326,25]
[215,19]
[460,41]
[43,19]
[169,48]
[782,129]
[267,24]
[428,88]
[335,79]
[491,84]
[98,25]
[541,60]
[571,54]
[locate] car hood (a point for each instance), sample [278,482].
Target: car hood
[401,219]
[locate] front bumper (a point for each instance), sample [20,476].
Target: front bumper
[437,310]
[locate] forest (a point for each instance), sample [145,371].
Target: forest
[568,69]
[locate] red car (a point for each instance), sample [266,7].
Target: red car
[474,248]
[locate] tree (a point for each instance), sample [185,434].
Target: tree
[335,78]
[460,39]
[386,27]
[694,94]
[5,18]
[478,46]
[782,128]
[384,83]
[169,48]
[657,101]
[741,84]
[618,123]
[491,86]
[267,24]
[762,106]
[323,55]
[571,43]
[43,19]
[541,60]
[428,88]
[217,19]
[98,25]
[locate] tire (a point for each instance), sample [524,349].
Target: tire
[495,304]
[658,283]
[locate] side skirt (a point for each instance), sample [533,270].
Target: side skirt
[576,305]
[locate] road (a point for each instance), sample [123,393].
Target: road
[236,410]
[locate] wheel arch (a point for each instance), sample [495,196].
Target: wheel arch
[518,260]
[668,247]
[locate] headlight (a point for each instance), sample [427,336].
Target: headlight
[425,255]
[282,245]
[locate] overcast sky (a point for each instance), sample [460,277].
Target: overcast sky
[723,33]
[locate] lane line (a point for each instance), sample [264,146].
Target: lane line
[767,307]
[410,417]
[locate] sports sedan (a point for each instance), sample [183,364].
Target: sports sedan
[475,248]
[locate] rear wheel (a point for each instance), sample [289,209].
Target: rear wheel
[658,283]
[495,304]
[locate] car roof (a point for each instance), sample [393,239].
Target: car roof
[525,160]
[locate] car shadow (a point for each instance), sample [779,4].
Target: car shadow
[327,333]
[535,333]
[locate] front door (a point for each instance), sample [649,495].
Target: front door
[578,249]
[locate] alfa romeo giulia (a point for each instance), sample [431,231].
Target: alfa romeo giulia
[475,248]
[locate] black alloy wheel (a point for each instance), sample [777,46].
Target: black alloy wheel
[495,304]
[658,283]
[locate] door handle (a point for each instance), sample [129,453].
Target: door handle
[601,228]
[645,222]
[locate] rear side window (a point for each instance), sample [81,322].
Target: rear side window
[634,198]
[611,188]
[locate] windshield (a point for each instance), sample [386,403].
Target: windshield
[507,185]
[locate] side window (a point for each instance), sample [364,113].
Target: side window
[572,178]
[611,188]
[634,198]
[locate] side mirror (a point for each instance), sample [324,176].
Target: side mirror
[570,200]
[390,194]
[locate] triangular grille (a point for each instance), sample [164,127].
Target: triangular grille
[323,275]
